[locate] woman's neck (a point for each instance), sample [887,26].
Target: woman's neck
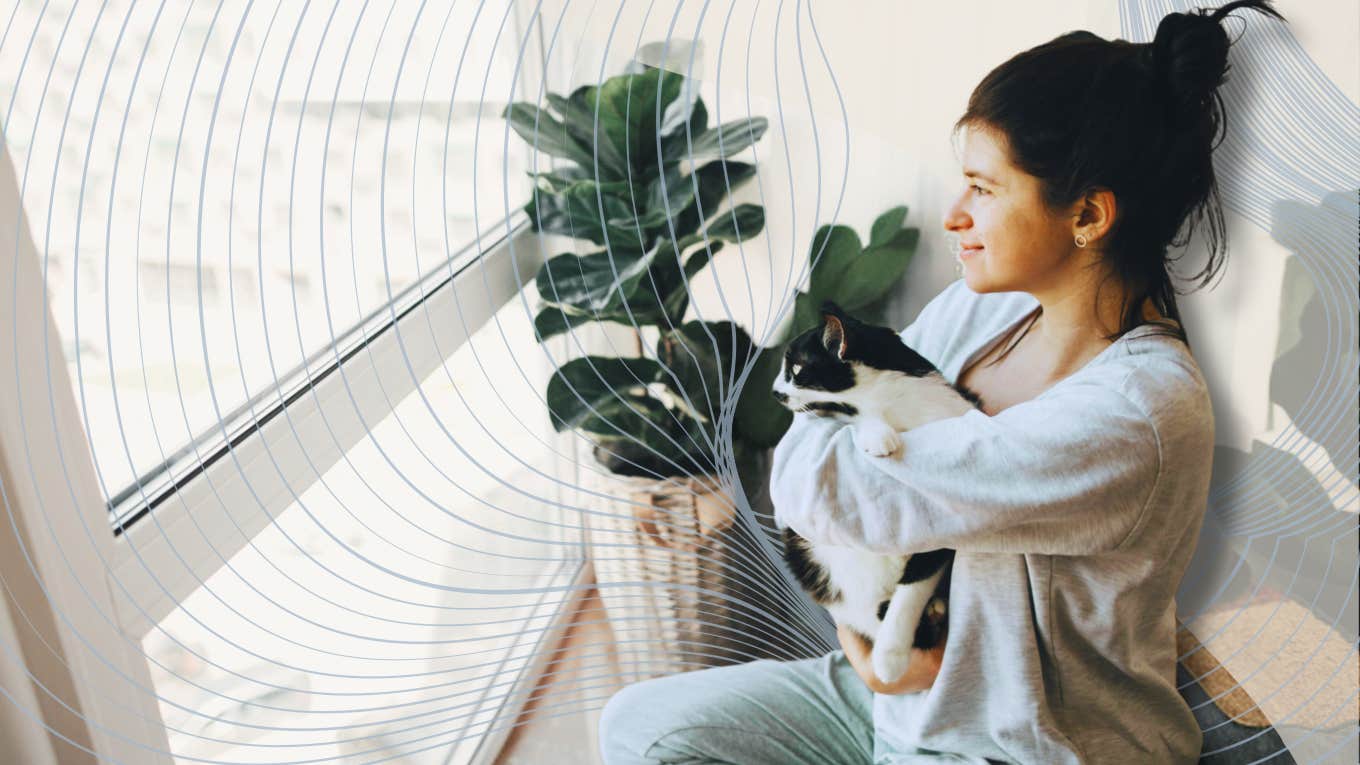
[1074,325]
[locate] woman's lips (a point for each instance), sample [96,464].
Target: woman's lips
[968,252]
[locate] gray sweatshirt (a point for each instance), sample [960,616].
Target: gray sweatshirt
[1074,515]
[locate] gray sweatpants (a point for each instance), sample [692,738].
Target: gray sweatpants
[808,712]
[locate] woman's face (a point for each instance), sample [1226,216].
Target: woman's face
[1011,240]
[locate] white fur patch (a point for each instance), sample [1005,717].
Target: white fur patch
[864,579]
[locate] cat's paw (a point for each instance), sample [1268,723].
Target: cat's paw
[877,439]
[890,664]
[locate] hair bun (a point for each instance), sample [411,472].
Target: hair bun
[1190,51]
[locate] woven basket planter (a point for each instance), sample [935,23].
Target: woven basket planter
[663,565]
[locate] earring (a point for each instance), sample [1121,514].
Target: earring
[1081,240]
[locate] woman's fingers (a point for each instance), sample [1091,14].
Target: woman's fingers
[920,675]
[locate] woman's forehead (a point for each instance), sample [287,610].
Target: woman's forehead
[985,156]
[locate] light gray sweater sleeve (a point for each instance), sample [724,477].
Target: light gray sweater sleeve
[1067,473]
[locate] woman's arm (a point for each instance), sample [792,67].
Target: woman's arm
[1066,474]
[920,674]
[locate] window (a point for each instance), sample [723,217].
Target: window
[322,189]
[286,325]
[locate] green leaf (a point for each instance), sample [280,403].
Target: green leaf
[807,313]
[545,133]
[578,116]
[705,367]
[665,198]
[585,211]
[700,258]
[588,283]
[630,108]
[742,222]
[674,289]
[718,143]
[760,420]
[590,393]
[749,220]
[645,285]
[664,278]
[674,306]
[675,142]
[715,180]
[606,397]
[554,320]
[665,262]
[887,225]
[698,118]
[833,249]
[875,272]
[559,181]
[624,456]
[671,282]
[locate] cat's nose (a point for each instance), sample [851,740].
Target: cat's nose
[780,396]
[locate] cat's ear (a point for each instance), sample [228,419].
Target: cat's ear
[833,335]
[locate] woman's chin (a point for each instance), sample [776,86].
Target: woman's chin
[976,281]
[979,281]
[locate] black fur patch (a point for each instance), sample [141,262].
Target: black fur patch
[832,407]
[934,627]
[923,565]
[821,369]
[878,347]
[883,609]
[813,578]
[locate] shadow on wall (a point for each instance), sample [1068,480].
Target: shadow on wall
[1283,515]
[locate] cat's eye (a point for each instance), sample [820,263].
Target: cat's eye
[795,369]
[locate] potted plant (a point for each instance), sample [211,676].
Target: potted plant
[643,180]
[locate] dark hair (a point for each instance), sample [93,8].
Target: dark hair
[1082,113]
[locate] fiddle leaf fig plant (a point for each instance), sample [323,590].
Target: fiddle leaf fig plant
[645,181]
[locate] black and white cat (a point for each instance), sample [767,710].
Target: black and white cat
[866,375]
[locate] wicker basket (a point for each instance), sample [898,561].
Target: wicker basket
[662,565]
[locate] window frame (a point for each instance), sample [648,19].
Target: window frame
[208,509]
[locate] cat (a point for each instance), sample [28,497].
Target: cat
[867,375]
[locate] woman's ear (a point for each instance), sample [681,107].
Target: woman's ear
[1095,215]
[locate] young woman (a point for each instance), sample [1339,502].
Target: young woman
[1074,499]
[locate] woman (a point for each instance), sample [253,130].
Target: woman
[1074,499]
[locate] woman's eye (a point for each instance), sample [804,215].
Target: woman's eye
[978,188]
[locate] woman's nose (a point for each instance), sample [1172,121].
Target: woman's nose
[955,218]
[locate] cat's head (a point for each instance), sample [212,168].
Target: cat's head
[828,362]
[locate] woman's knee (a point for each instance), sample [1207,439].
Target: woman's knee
[629,723]
[643,713]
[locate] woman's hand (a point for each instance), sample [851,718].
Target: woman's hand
[920,675]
